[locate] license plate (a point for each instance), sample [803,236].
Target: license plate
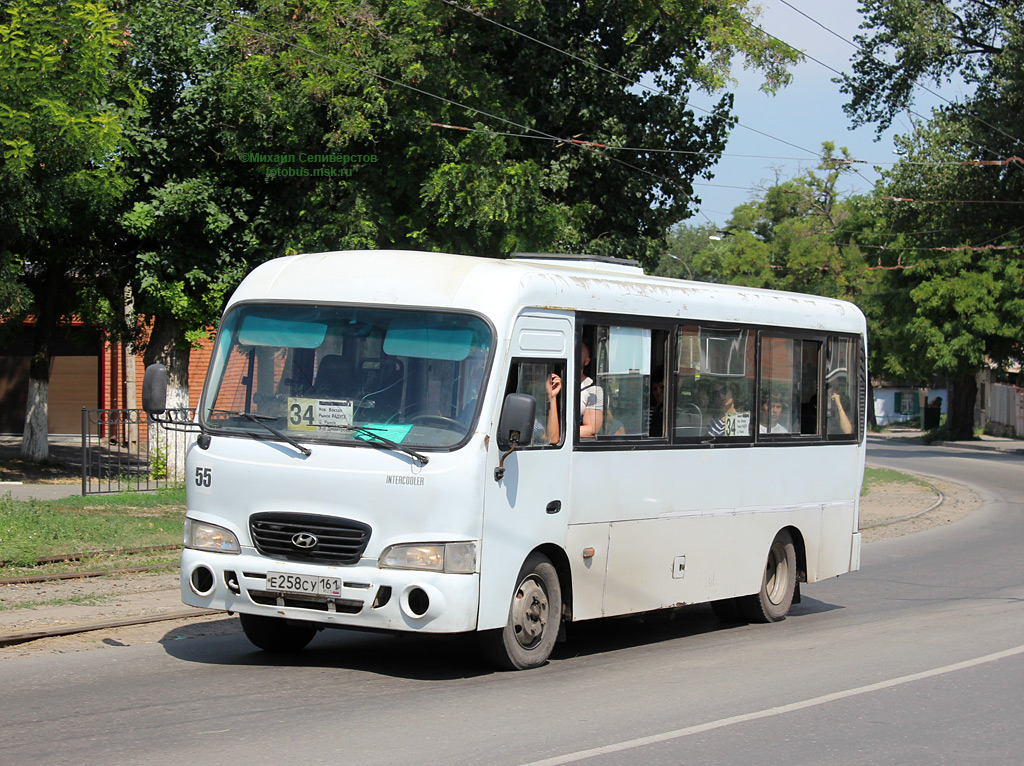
[312,585]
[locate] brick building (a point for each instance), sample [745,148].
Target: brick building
[88,371]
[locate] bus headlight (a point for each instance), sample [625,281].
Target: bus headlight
[453,558]
[209,537]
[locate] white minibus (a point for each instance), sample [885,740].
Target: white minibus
[435,443]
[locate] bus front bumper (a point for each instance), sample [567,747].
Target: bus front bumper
[369,597]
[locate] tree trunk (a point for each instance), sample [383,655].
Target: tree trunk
[35,438]
[166,346]
[35,442]
[960,420]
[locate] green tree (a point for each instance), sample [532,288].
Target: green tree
[555,145]
[795,237]
[951,203]
[63,116]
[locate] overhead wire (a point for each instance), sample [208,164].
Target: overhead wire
[633,83]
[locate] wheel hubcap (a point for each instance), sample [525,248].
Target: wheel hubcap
[777,574]
[530,612]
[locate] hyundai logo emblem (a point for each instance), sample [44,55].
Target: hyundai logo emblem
[304,540]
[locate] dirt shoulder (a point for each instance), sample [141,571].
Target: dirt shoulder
[890,510]
[893,510]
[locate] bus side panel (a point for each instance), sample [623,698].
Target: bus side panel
[587,548]
[686,525]
[655,563]
[836,554]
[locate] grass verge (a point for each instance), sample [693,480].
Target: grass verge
[89,599]
[876,477]
[33,529]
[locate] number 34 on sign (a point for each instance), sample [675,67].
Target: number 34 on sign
[319,414]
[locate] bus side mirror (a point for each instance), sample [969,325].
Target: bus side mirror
[154,389]
[515,427]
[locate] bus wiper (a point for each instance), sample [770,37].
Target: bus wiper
[259,419]
[420,458]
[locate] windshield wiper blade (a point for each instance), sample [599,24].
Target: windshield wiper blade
[259,419]
[420,458]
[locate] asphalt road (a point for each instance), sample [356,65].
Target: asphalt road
[916,659]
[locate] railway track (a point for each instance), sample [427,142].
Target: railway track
[85,573]
[11,639]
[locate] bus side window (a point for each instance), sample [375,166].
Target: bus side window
[841,413]
[810,367]
[788,395]
[544,380]
[623,372]
[714,383]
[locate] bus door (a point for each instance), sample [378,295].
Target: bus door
[528,505]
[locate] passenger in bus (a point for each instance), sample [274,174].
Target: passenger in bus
[591,399]
[725,403]
[772,409]
[613,426]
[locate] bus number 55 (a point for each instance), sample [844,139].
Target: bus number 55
[204,476]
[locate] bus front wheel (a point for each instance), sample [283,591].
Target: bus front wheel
[275,634]
[534,618]
[778,583]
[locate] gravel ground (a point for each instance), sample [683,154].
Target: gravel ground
[887,511]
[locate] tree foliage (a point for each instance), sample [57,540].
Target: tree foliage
[518,126]
[951,206]
[64,110]
[796,237]
[911,43]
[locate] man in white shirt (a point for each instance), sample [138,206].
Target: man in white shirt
[591,399]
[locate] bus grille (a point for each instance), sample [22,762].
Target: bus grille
[307,537]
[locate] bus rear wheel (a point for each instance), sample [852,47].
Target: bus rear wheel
[534,619]
[275,634]
[778,583]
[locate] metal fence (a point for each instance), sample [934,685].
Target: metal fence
[122,450]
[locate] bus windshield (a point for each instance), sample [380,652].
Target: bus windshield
[347,374]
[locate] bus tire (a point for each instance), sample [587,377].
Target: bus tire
[276,634]
[534,619]
[772,602]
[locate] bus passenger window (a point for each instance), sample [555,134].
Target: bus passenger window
[623,375]
[714,383]
[544,380]
[788,397]
[810,354]
[840,387]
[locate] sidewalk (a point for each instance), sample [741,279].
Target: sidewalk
[48,481]
[20,491]
[983,442]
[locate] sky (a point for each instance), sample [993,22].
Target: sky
[806,113]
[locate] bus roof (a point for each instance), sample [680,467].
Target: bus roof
[501,288]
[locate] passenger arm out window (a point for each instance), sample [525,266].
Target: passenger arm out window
[544,380]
